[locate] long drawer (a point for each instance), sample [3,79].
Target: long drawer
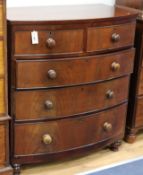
[64,102]
[68,134]
[71,71]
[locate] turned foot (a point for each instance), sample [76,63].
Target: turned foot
[115,146]
[130,136]
[16,168]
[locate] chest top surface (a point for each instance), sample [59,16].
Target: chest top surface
[68,13]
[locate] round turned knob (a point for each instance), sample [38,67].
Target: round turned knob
[50,43]
[52,74]
[110,94]
[47,139]
[115,37]
[115,66]
[49,104]
[107,126]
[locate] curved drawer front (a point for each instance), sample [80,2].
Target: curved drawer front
[69,134]
[32,74]
[64,102]
[50,42]
[102,38]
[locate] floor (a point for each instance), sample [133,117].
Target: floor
[92,161]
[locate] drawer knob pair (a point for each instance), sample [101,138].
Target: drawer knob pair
[110,94]
[107,126]
[51,43]
[49,104]
[52,74]
[47,139]
[115,37]
[115,66]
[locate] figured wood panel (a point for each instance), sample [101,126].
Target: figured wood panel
[66,41]
[73,71]
[2,96]
[140,83]
[69,101]
[100,38]
[2,58]
[2,144]
[139,112]
[69,134]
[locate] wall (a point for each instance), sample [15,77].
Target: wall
[13,3]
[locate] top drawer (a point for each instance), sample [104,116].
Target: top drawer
[111,37]
[50,42]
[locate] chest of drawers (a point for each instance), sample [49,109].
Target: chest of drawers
[69,92]
[5,168]
[135,111]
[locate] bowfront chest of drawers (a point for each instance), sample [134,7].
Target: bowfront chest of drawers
[69,78]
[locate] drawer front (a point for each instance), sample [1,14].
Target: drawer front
[2,96]
[32,74]
[139,112]
[64,102]
[110,37]
[62,135]
[140,84]
[1,18]
[2,144]
[50,42]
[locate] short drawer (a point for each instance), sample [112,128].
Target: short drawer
[65,72]
[139,112]
[140,83]
[64,102]
[68,134]
[112,37]
[50,42]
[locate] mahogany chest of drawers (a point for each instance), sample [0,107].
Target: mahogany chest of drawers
[135,109]
[5,168]
[69,73]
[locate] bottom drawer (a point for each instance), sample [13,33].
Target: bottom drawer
[66,134]
[139,112]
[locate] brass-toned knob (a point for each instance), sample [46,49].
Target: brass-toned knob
[107,126]
[52,74]
[49,104]
[47,139]
[115,37]
[50,43]
[109,94]
[115,66]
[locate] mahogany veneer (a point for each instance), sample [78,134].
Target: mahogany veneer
[68,93]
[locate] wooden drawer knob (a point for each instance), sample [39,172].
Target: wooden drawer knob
[115,37]
[49,104]
[51,43]
[109,94]
[47,139]
[52,74]
[107,126]
[115,66]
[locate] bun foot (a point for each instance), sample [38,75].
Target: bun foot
[130,138]
[115,146]
[16,169]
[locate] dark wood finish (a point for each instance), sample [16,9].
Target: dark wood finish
[89,128]
[72,95]
[102,38]
[135,112]
[69,74]
[69,101]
